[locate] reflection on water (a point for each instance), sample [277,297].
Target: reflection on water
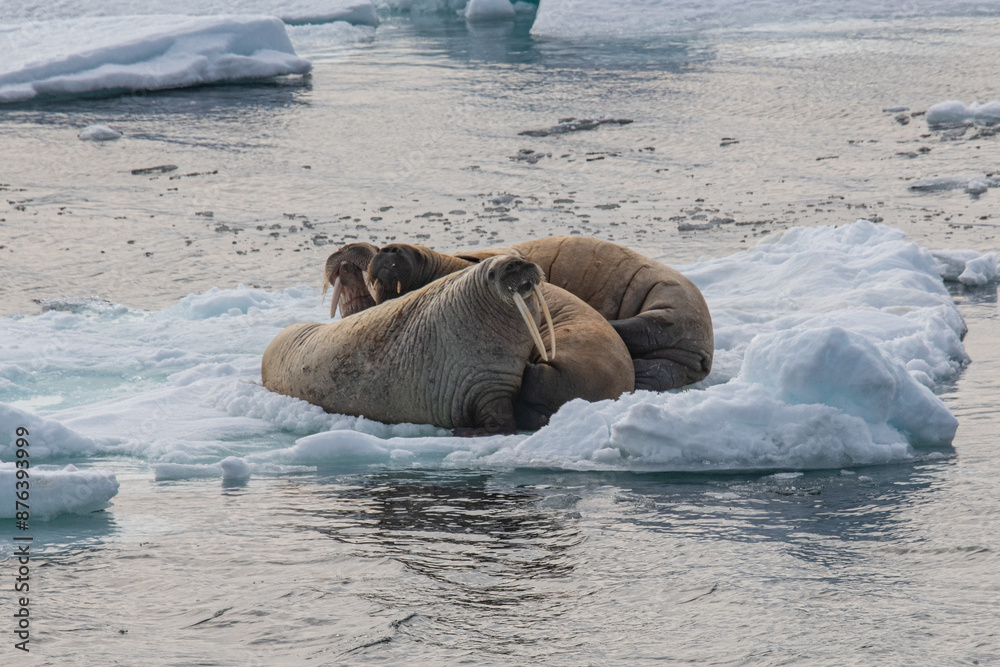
[222,102]
[511,43]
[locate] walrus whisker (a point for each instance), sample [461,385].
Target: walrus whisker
[548,320]
[335,299]
[532,327]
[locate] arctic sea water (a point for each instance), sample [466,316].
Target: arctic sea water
[826,496]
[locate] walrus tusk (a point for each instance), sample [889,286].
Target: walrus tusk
[335,299]
[373,289]
[399,287]
[532,327]
[548,320]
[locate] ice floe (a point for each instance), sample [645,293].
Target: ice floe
[598,18]
[953,113]
[57,491]
[99,133]
[489,10]
[829,343]
[129,53]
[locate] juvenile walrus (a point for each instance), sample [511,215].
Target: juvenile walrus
[592,362]
[450,354]
[660,315]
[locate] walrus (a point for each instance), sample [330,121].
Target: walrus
[345,270]
[592,363]
[450,354]
[660,315]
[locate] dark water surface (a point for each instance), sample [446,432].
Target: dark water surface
[892,565]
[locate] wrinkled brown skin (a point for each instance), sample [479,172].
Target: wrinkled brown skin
[417,358]
[349,263]
[591,360]
[661,315]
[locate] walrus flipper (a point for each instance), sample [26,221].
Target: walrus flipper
[664,354]
[493,418]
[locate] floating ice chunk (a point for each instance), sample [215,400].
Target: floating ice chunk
[977,186]
[939,184]
[231,469]
[954,113]
[973,186]
[86,55]
[967,266]
[234,469]
[54,492]
[169,472]
[304,12]
[489,10]
[99,133]
[980,270]
[48,439]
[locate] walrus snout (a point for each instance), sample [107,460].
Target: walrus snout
[519,279]
[519,276]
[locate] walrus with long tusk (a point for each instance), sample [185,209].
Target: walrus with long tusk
[592,362]
[660,315]
[450,354]
[345,270]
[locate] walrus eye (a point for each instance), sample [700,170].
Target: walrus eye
[492,275]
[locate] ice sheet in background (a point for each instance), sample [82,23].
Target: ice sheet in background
[360,12]
[88,55]
[570,19]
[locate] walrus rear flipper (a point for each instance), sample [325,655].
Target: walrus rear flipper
[666,354]
[677,368]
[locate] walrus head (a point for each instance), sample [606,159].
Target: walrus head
[515,279]
[399,268]
[345,270]
[396,269]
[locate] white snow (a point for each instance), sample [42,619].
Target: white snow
[953,113]
[573,19]
[59,491]
[489,10]
[828,342]
[86,55]
[99,133]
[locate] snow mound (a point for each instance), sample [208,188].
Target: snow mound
[48,439]
[131,53]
